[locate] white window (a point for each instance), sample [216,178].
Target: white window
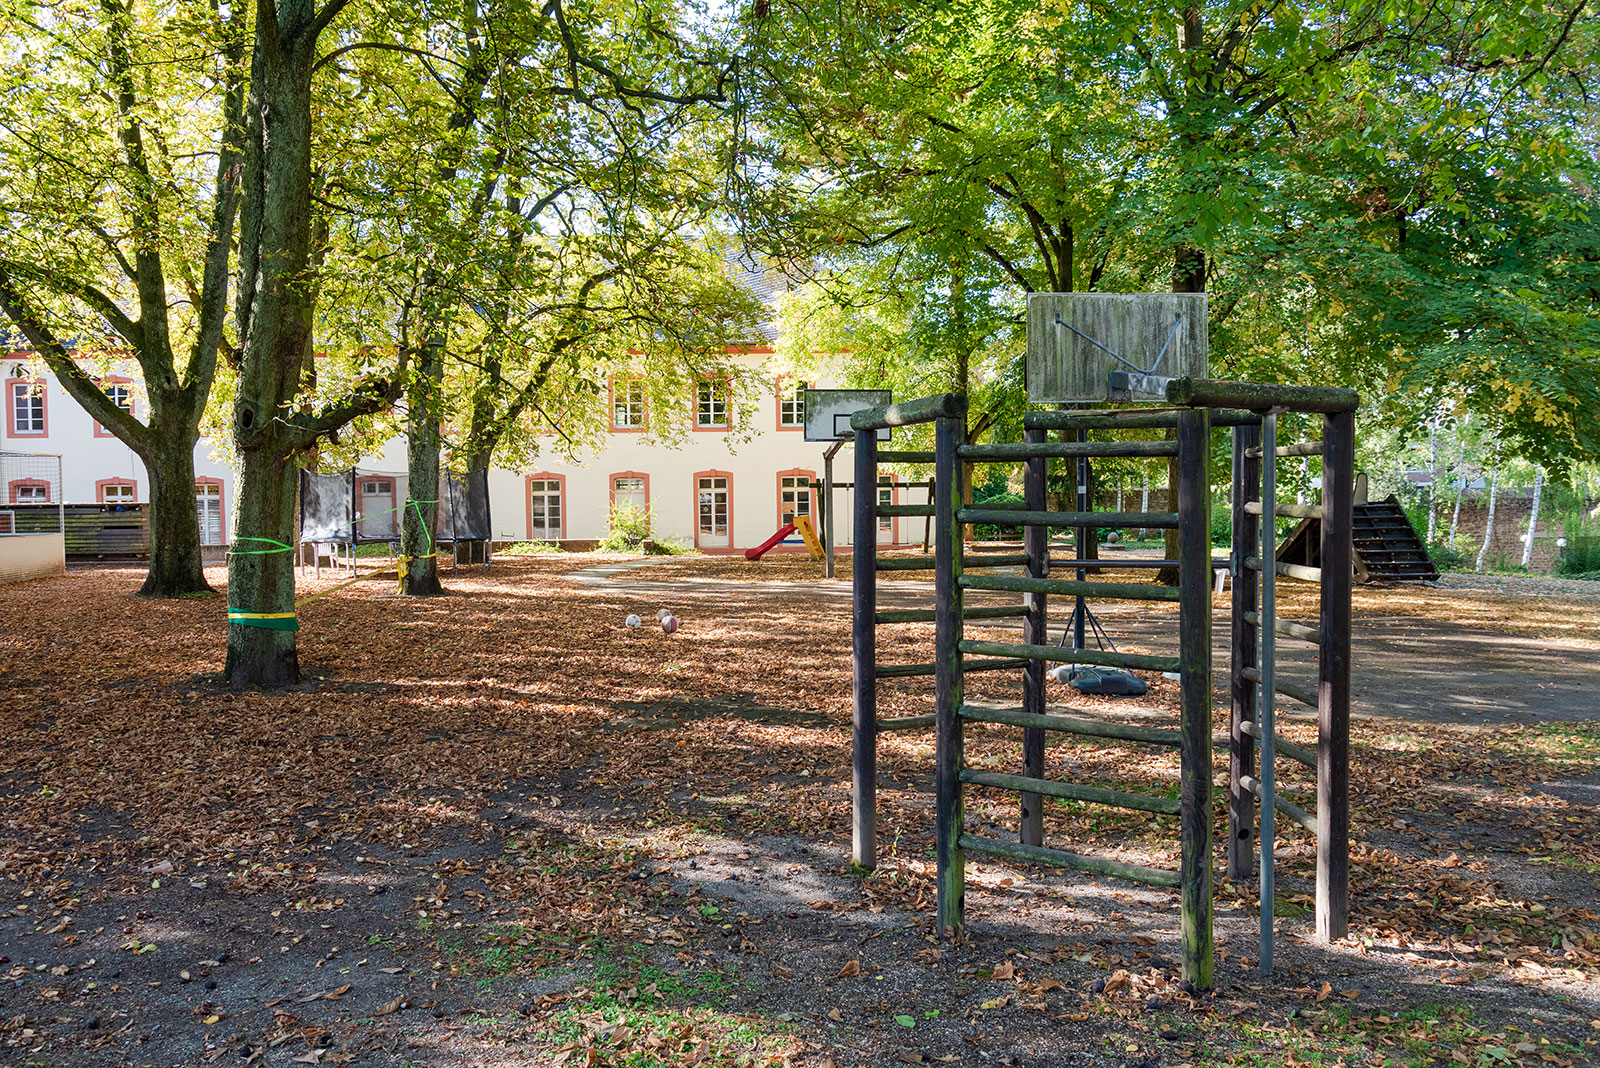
[627,405]
[792,404]
[885,522]
[27,408]
[711,403]
[630,492]
[30,494]
[117,493]
[208,509]
[712,494]
[544,509]
[794,498]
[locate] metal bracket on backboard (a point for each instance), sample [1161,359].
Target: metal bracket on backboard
[1128,386]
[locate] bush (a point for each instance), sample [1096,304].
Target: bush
[1221,521]
[1579,558]
[1448,559]
[529,548]
[629,529]
[669,546]
[988,496]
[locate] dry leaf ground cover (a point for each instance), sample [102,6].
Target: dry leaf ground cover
[498,828]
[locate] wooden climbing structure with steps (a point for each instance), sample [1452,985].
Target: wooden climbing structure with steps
[1197,408]
[1388,548]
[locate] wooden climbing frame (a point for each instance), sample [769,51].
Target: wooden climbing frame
[1200,406]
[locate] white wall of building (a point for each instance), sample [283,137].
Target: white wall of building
[752,469]
[90,458]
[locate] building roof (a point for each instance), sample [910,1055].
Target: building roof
[765,283]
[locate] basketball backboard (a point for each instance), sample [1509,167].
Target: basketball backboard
[1077,342]
[828,411]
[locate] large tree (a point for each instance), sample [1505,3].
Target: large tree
[1257,151]
[120,186]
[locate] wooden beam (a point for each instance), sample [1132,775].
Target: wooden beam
[949,816]
[1260,396]
[1333,678]
[1129,418]
[1099,795]
[1056,654]
[1283,805]
[1087,726]
[1024,451]
[1125,520]
[1137,873]
[1109,591]
[1035,631]
[909,413]
[1194,699]
[864,654]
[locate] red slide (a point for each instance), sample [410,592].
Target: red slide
[756,553]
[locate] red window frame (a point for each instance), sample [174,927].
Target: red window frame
[727,407]
[222,503]
[782,381]
[14,487]
[11,407]
[561,493]
[694,500]
[115,380]
[611,483]
[644,403]
[812,486]
[100,485]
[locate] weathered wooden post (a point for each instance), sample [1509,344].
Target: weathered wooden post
[950,434]
[1036,542]
[1194,727]
[1333,677]
[1241,746]
[864,653]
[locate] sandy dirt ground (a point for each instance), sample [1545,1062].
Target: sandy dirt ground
[499,828]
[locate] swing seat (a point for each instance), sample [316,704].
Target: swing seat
[1102,681]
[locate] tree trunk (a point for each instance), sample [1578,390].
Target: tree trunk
[419,560]
[261,651]
[1533,517]
[1144,505]
[1455,518]
[1488,526]
[1168,576]
[1433,475]
[275,325]
[176,567]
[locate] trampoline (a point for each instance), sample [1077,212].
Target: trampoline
[359,506]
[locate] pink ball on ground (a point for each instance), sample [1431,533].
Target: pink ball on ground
[669,624]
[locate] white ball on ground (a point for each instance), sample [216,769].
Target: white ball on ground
[663,613]
[669,623]
[633,622]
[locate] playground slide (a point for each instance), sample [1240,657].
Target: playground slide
[808,534]
[760,550]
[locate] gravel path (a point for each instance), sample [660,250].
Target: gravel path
[1520,585]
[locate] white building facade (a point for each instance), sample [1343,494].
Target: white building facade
[710,491]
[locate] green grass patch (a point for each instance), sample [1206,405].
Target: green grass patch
[640,1015]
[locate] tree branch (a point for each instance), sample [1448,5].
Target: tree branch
[74,379]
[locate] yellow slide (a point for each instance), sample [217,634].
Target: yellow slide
[809,534]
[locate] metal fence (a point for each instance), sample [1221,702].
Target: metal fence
[33,494]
